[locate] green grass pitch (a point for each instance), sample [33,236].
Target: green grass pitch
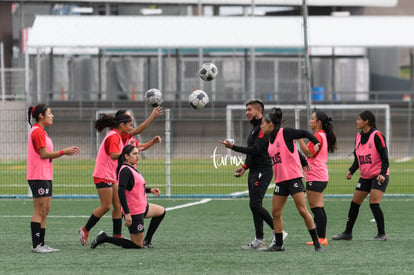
[189,177]
[207,239]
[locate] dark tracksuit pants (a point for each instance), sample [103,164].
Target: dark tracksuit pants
[258,181]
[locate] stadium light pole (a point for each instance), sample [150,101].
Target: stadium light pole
[307,69]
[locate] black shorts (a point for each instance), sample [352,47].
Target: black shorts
[366,185]
[316,186]
[289,187]
[137,225]
[40,188]
[103,185]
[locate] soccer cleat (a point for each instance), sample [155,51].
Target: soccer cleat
[380,237]
[322,241]
[41,249]
[273,247]
[318,248]
[99,239]
[285,234]
[255,245]
[342,236]
[50,248]
[84,234]
[148,245]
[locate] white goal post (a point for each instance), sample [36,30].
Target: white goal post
[299,108]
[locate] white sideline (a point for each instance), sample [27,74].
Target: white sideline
[188,204]
[167,209]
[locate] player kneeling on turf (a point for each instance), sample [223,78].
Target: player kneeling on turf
[132,194]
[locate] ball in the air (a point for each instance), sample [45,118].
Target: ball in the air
[153,97]
[208,71]
[198,99]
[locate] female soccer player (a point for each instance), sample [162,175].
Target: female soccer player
[371,157]
[40,172]
[132,193]
[288,175]
[104,174]
[317,176]
[128,138]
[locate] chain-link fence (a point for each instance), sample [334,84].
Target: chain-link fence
[190,161]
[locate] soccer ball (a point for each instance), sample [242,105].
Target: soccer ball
[198,99]
[208,71]
[153,97]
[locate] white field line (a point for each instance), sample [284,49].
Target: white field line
[203,201]
[188,204]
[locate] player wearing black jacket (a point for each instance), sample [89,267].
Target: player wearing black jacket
[260,170]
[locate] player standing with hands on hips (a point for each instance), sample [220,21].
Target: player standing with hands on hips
[40,172]
[317,176]
[371,157]
[260,170]
[288,174]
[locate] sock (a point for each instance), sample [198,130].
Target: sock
[379,217]
[117,226]
[125,243]
[42,236]
[352,216]
[314,236]
[319,216]
[155,222]
[91,222]
[35,228]
[279,239]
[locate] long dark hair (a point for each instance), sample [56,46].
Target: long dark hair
[35,111]
[120,112]
[121,159]
[275,116]
[327,126]
[108,121]
[368,115]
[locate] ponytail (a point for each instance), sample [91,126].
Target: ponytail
[35,111]
[327,126]
[108,121]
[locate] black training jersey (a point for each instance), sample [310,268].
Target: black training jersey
[256,150]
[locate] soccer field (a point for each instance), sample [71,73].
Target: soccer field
[206,239]
[189,177]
